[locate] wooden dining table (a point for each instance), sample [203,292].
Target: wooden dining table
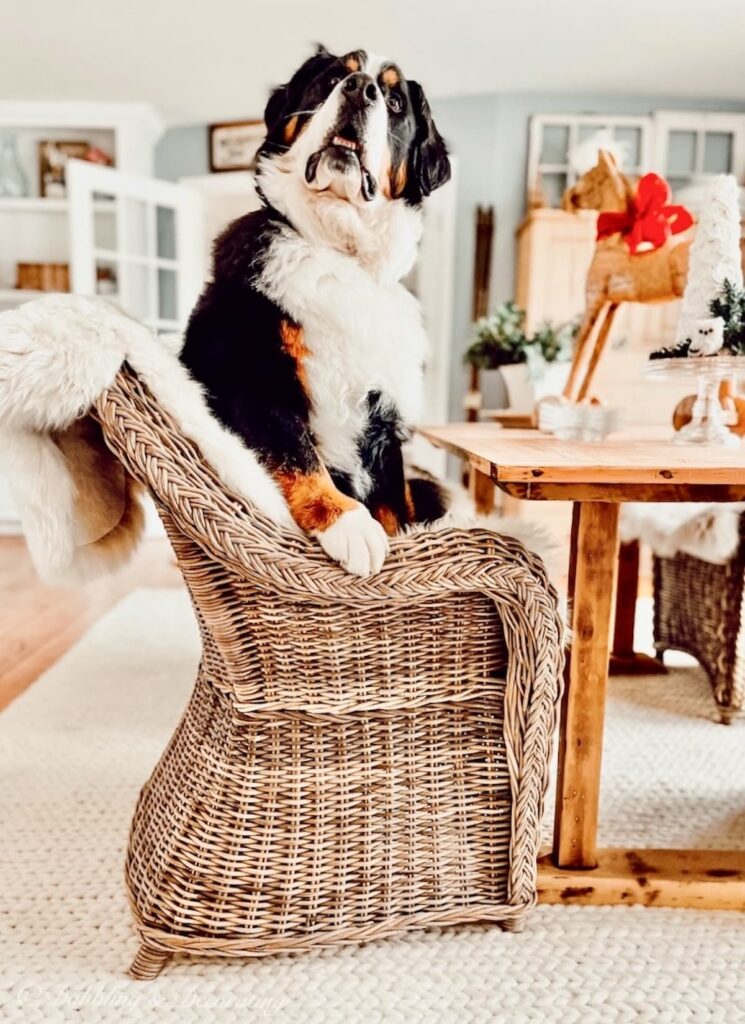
[597,477]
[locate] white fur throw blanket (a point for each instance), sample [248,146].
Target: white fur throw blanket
[708,532]
[80,512]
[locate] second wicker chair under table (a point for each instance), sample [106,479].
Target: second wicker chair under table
[359,757]
[698,608]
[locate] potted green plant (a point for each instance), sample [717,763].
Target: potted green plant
[531,366]
[550,355]
[499,339]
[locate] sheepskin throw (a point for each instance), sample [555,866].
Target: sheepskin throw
[708,532]
[80,512]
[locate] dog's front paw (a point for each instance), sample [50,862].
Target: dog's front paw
[356,541]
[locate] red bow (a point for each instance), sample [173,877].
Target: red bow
[649,216]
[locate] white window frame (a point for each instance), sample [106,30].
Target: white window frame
[700,122]
[574,122]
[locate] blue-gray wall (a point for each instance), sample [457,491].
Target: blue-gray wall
[489,135]
[182,152]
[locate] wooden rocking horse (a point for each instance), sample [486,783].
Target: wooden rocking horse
[638,256]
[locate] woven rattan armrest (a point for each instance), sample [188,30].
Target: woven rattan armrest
[239,536]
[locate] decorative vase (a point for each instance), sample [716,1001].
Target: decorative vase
[549,378]
[527,383]
[13,180]
[520,396]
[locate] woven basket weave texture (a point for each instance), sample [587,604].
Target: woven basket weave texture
[359,756]
[698,608]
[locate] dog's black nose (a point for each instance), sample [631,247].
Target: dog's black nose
[361,87]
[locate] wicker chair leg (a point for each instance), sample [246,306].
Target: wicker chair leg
[148,963]
[513,924]
[727,715]
[660,655]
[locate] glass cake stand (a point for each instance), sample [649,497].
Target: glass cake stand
[709,423]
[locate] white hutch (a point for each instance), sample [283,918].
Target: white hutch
[120,231]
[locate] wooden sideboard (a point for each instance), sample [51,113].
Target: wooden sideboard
[554,250]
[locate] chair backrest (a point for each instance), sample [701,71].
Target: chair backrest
[183,485]
[274,634]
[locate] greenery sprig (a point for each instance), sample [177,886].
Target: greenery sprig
[501,340]
[730,306]
[673,351]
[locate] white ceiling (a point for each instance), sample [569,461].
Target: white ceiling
[210,61]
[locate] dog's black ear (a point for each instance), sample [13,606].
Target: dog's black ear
[276,108]
[429,164]
[285,98]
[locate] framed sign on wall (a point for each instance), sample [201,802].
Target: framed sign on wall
[233,145]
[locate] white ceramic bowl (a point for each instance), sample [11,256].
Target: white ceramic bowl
[581,422]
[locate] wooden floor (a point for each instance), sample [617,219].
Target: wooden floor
[39,623]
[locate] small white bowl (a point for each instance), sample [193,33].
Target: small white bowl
[581,422]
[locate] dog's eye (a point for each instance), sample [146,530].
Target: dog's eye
[394,103]
[334,81]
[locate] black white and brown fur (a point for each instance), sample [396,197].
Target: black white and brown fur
[308,345]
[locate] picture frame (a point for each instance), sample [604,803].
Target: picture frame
[53,157]
[233,145]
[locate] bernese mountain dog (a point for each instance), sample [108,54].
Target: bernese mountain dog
[308,345]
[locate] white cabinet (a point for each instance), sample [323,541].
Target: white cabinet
[37,230]
[686,147]
[555,139]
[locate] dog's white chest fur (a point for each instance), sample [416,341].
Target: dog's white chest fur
[362,335]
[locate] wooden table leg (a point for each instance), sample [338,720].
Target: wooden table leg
[576,871]
[481,488]
[592,576]
[625,661]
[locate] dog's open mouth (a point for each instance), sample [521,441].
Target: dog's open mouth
[344,151]
[339,140]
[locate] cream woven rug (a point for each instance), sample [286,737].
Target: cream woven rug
[76,747]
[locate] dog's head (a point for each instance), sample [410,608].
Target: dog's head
[356,128]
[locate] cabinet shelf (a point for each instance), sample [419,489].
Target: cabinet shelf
[37,204]
[12,297]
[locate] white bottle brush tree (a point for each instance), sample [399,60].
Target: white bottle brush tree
[712,314]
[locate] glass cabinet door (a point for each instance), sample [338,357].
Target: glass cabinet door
[137,241]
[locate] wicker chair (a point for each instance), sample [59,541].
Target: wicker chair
[698,608]
[359,757]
